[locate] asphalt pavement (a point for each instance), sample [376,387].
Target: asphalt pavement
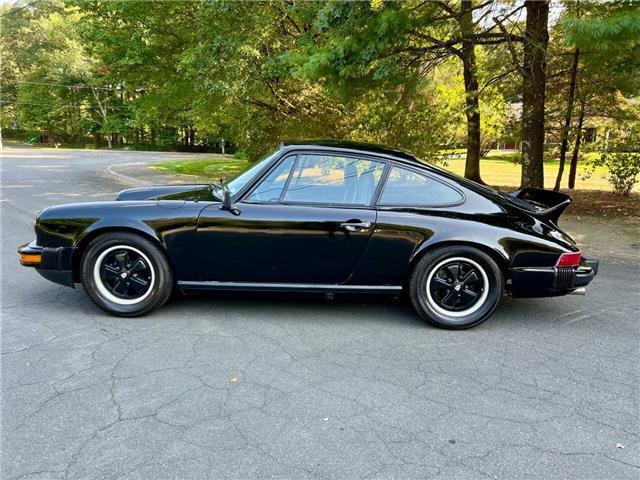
[291,388]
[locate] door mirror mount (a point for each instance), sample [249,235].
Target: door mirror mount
[227,203]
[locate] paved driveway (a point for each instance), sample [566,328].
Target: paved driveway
[234,387]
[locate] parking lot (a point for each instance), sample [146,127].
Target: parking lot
[292,388]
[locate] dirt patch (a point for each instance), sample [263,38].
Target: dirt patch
[599,204]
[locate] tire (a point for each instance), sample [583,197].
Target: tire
[125,274]
[455,287]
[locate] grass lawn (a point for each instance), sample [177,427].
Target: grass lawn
[500,169]
[210,167]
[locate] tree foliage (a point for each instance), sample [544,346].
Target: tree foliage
[607,76]
[425,76]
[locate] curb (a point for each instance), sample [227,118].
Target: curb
[156,178]
[110,170]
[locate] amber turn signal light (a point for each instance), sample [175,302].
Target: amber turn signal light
[30,258]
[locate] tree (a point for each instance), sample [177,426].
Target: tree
[54,83]
[398,46]
[471,90]
[568,116]
[427,76]
[139,50]
[604,33]
[536,38]
[573,166]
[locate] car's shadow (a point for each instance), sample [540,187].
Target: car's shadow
[352,308]
[272,306]
[306,308]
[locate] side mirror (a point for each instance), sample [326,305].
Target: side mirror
[226,201]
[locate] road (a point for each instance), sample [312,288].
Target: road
[290,388]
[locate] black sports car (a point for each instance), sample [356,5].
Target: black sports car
[319,216]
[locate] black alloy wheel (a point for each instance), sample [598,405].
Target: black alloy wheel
[126,274]
[455,286]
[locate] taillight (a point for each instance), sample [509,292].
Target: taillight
[569,259]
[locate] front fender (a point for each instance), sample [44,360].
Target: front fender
[67,225]
[171,224]
[114,223]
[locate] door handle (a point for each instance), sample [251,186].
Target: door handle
[355,226]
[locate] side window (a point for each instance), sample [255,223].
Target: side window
[331,179]
[404,187]
[270,188]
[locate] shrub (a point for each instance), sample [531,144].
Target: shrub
[515,158]
[623,168]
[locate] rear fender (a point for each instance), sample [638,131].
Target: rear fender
[500,256]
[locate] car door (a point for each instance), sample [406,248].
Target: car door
[307,221]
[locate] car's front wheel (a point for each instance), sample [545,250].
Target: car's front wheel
[125,274]
[455,287]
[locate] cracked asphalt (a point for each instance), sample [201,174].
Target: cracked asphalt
[291,388]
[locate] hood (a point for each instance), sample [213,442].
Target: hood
[167,192]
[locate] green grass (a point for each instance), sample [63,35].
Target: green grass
[497,168]
[502,169]
[210,168]
[453,151]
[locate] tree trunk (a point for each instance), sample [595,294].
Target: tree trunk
[472,107]
[534,82]
[103,112]
[567,118]
[576,150]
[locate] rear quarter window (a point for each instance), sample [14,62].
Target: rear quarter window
[406,187]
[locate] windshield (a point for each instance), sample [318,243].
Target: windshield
[245,177]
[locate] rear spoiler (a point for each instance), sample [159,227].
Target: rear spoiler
[549,204]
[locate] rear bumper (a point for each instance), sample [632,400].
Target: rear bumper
[527,282]
[586,272]
[54,264]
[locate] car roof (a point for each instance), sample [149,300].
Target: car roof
[354,147]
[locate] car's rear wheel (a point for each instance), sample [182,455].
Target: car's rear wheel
[455,287]
[126,274]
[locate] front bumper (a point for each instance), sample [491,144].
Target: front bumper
[54,264]
[527,282]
